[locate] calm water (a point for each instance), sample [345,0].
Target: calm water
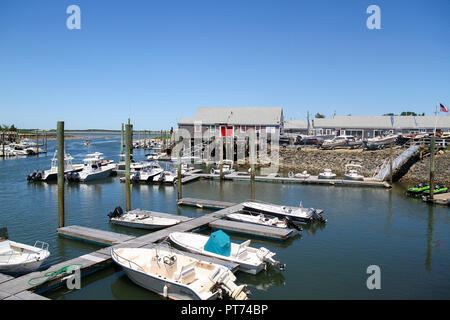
[408,239]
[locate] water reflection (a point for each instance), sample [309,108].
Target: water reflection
[429,237]
[263,280]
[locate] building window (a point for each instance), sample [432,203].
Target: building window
[212,129]
[197,128]
[242,129]
[328,132]
[258,129]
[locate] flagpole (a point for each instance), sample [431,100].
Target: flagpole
[435,114]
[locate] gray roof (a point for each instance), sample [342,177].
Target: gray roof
[269,116]
[296,124]
[382,122]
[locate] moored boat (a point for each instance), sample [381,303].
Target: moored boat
[257,219]
[327,174]
[18,258]
[298,216]
[95,167]
[218,244]
[177,276]
[351,172]
[140,221]
[52,173]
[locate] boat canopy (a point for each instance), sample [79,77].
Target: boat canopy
[219,242]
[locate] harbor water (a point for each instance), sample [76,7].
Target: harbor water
[408,239]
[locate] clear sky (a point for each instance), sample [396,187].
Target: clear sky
[157,61]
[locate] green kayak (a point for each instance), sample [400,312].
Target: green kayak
[439,188]
[419,188]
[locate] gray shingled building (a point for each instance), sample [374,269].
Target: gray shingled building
[233,121]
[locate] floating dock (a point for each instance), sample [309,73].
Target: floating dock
[368,182]
[443,198]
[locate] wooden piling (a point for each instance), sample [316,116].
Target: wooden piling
[37,143]
[60,175]
[121,140]
[45,141]
[252,159]
[221,159]
[432,151]
[179,168]
[128,141]
[3,143]
[390,164]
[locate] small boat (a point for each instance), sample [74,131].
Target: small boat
[418,189]
[227,167]
[52,173]
[381,141]
[177,276]
[148,173]
[327,174]
[303,175]
[297,216]
[218,244]
[352,174]
[257,219]
[439,188]
[338,141]
[94,168]
[87,142]
[167,177]
[18,258]
[140,221]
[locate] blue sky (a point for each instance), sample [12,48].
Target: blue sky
[157,61]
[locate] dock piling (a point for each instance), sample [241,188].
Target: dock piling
[37,143]
[252,147]
[390,164]
[179,182]
[60,175]
[128,139]
[432,150]
[121,140]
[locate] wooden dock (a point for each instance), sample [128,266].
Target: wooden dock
[252,229]
[21,288]
[443,198]
[368,182]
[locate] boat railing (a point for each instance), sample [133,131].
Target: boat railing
[130,263]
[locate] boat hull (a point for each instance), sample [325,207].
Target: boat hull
[18,269]
[353,178]
[298,221]
[97,175]
[137,225]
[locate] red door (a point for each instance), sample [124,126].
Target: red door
[222,131]
[229,131]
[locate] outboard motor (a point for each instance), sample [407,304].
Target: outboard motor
[38,176]
[292,225]
[162,177]
[116,213]
[31,176]
[136,176]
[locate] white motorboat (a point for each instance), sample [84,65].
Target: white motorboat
[327,174]
[148,173]
[52,173]
[250,260]
[140,220]
[227,167]
[177,276]
[336,142]
[167,177]
[257,219]
[381,141]
[351,172]
[303,175]
[297,216]
[95,167]
[18,258]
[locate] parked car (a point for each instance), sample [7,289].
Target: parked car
[309,141]
[284,141]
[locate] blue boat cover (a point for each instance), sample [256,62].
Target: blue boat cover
[219,243]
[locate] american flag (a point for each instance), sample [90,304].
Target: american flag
[442,108]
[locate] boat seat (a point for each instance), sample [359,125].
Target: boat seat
[188,276]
